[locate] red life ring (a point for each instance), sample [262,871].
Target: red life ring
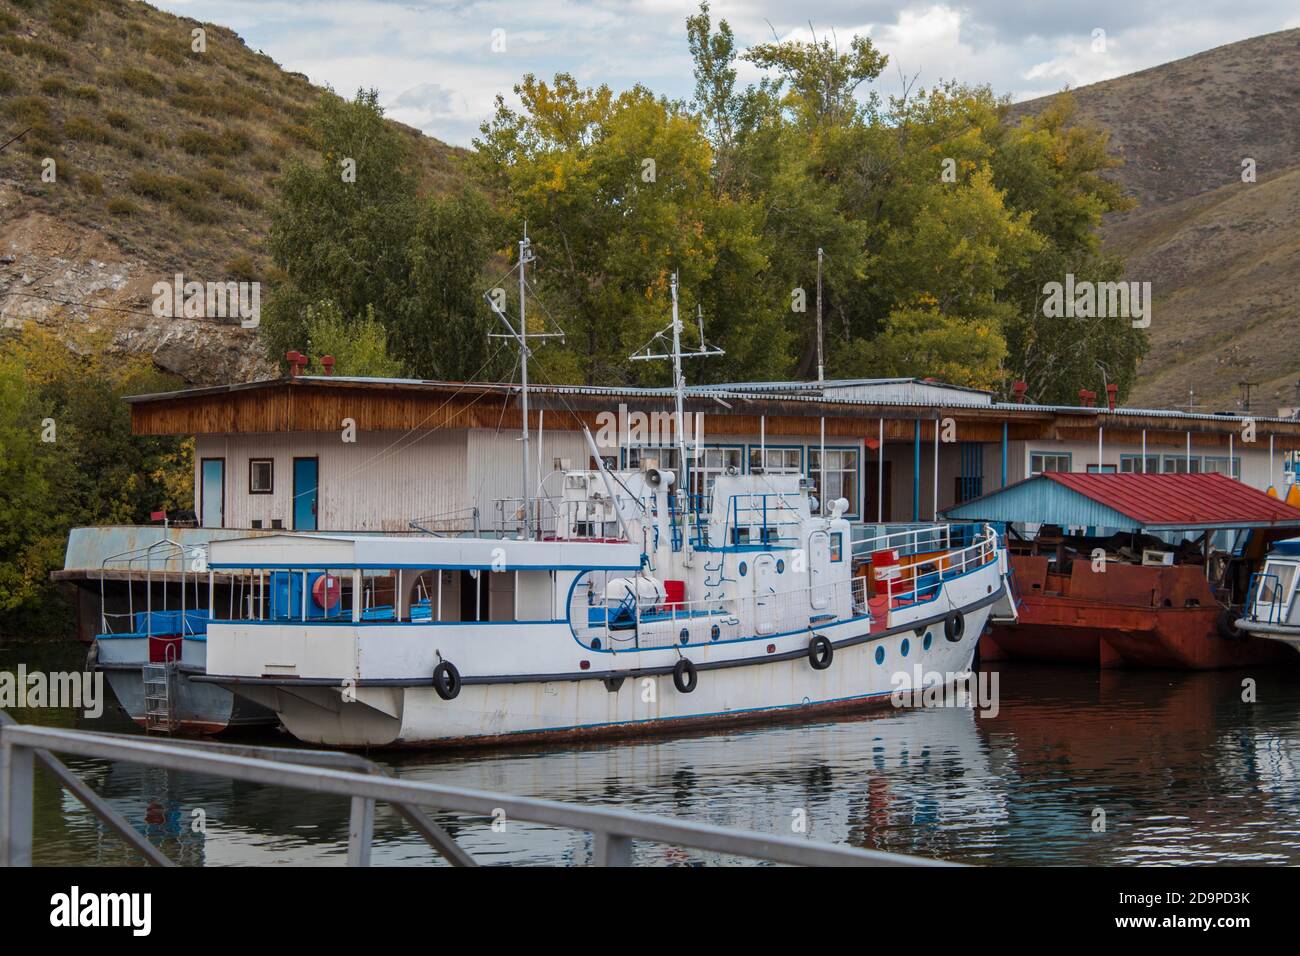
[325,591]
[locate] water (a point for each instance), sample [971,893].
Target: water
[1184,770]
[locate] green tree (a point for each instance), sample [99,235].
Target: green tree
[358,346]
[68,458]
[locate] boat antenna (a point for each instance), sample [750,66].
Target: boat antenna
[671,336]
[496,301]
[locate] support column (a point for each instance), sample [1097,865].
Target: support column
[1004,454]
[880,476]
[916,472]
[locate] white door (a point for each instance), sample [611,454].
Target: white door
[765,602]
[819,570]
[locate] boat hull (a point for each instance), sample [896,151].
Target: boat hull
[532,711]
[1111,637]
[198,708]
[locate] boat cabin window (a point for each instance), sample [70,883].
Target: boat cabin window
[408,595]
[1275,582]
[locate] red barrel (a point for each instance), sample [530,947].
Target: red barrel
[325,591]
[674,594]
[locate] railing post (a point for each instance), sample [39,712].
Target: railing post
[612,849]
[16,782]
[361,831]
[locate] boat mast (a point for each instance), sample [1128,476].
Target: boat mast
[525,254]
[679,387]
[679,383]
[495,300]
[821,388]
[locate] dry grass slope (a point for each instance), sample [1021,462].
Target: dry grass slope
[1223,255]
[166,161]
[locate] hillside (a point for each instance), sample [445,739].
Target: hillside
[1223,256]
[165,159]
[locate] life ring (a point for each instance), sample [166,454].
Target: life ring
[954,626]
[325,591]
[684,676]
[820,652]
[1227,626]
[446,680]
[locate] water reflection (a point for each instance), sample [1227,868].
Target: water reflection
[1184,770]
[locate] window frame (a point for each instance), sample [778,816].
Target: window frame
[1066,455]
[252,467]
[814,473]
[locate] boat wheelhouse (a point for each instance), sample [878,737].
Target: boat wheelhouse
[1273,611]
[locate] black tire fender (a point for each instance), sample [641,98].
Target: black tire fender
[954,627]
[684,676]
[1227,626]
[820,652]
[446,680]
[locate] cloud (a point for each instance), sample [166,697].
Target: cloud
[436,67]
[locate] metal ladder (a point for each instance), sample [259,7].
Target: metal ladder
[159,714]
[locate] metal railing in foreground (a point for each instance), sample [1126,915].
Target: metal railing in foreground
[614,831]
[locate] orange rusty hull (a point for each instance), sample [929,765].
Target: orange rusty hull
[1069,630]
[1123,616]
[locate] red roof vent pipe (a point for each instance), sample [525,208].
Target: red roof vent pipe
[327,361]
[1087,399]
[1019,389]
[297,361]
[1112,393]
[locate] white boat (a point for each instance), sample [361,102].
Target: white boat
[370,640]
[1272,610]
[624,605]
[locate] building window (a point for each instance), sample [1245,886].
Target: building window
[841,475]
[712,463]
[1101,469]
[1041,461]
[663,458]
[1132,464]
[261,476]
[1220,466]
[1181,464]
[777,461]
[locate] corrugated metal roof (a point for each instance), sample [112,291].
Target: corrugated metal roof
[1154,502]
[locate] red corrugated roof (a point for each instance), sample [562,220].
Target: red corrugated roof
[1183,501]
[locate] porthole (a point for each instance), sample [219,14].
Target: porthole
[780,566]
[715,632]
[905,647]
[684,635]
[880,655]
[929,638]
[744,569]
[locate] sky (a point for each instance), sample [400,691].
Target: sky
[439,64]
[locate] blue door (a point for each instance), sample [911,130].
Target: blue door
[212,493]
[304,494]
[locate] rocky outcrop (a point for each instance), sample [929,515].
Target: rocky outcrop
[72,279]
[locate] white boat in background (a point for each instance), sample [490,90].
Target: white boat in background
[1272,610]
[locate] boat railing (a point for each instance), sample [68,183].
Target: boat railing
[923,578]
[1257,608]
[190,561]
[910,541]
[365,784]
